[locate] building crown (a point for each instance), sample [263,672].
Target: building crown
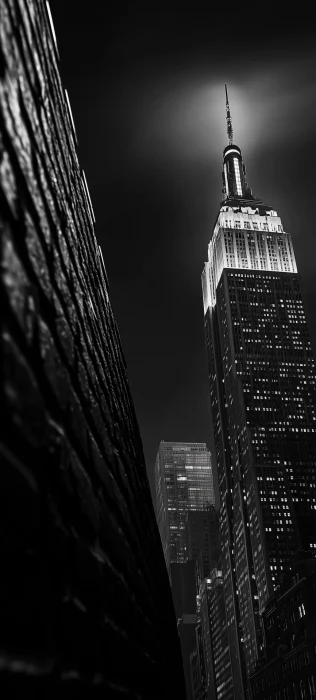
[235,186]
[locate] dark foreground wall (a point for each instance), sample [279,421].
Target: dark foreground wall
[85,603]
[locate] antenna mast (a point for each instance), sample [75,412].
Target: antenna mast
[229,120]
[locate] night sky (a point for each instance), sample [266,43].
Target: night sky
[146,86]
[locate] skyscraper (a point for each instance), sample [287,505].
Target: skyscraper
[184,481]
[262,386]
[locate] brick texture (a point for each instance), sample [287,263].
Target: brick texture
[85,603]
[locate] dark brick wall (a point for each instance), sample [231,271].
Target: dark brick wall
[85,603]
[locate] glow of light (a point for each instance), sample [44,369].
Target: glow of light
[231,150]
[52,28]
[88,195]
[71,117]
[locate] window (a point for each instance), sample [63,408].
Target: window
[303,694]
[311,686]
[306,658]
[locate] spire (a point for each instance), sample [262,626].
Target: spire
[229,120]
[235,187]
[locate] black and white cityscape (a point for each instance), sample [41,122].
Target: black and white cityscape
[158,504]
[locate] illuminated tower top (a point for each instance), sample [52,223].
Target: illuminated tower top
[235,186]
[248,234]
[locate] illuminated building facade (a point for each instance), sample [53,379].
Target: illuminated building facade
[262,386]
[184,481]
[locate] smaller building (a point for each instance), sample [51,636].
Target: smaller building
[288,670]
[184,482]
[183,586]
[197,664]
[202,552]
[211,669]
[202,536]
[195,673]
[222,667]
[210,687]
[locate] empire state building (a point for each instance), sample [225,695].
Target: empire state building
[262,385]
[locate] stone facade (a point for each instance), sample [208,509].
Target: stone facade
[85,603]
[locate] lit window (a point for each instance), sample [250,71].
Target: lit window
[237,175]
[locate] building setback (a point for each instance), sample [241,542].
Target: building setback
[262,387]
[86,609]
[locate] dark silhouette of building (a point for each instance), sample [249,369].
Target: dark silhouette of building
[195,672]
[262,386]
[183,586]
[197,663]
[202,536]
[187,634]
[85,603]
[288,667]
